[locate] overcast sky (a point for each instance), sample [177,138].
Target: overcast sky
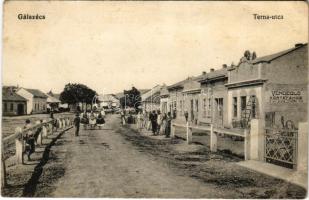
[110,46]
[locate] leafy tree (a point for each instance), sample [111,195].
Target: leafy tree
[132,98]
[75,93]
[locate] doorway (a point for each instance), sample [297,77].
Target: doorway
[219,112]
[20,109]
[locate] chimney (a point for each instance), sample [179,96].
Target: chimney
[224,66]
[212,70]
[299,44]
[203,73]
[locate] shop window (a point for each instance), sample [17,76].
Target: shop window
[181,106]
[209,107]
[235,106]
[204,107]
[243,103]
[11,107]
[5,107]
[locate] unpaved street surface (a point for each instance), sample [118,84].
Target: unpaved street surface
[104,164]
[121,162]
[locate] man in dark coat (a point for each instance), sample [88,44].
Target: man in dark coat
[154,118]
[76,124]
[168,125]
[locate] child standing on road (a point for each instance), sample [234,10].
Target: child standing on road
[76,124]
[30,140]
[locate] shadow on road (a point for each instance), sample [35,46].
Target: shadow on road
[30,187]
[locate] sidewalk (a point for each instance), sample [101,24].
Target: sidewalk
[289,175]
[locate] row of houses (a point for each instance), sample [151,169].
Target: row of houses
[24,101]
[272,88]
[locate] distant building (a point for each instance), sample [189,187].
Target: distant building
[12,103]
[36,100]
[272,88]
[54,101]
[176,99]
[108,101]
[164,104]
[191,100]
[151,99]
[213,98]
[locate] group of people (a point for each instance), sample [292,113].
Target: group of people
[90,118]
[159,123]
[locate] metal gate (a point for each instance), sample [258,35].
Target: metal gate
[281,147]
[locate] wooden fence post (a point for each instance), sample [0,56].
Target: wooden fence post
[302,147]
[60,123]
[189,134]
[3,172]
[172,130]
[19,144]
[213,139]
[44,131]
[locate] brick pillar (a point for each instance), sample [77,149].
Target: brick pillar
[172,130]
[213,139]
[302,147]
[189,133]
[256,138]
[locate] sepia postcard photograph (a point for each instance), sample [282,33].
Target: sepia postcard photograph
[154,99]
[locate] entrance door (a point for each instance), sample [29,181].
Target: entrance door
[20,109]
[219,112]
[196,111]
[192,110]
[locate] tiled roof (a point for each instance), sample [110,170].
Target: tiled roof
[164,91]
[9,95]
[37,93]
[52,99]
[155,98]
[213,75]
[180,83]
[274,56]
[108,97]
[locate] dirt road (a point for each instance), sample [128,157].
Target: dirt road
[100,163]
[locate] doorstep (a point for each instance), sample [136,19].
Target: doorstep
[299,178]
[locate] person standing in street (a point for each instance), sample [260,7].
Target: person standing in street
[154,124]
[139,120]
[52,114]
[103,113]
[159,122]
[123,118]
[163,125]
[150,115]
[168,125]
[186,115]
[76,124]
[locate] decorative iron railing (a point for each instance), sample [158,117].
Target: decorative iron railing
[281,147]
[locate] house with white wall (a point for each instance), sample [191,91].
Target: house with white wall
[36,100]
